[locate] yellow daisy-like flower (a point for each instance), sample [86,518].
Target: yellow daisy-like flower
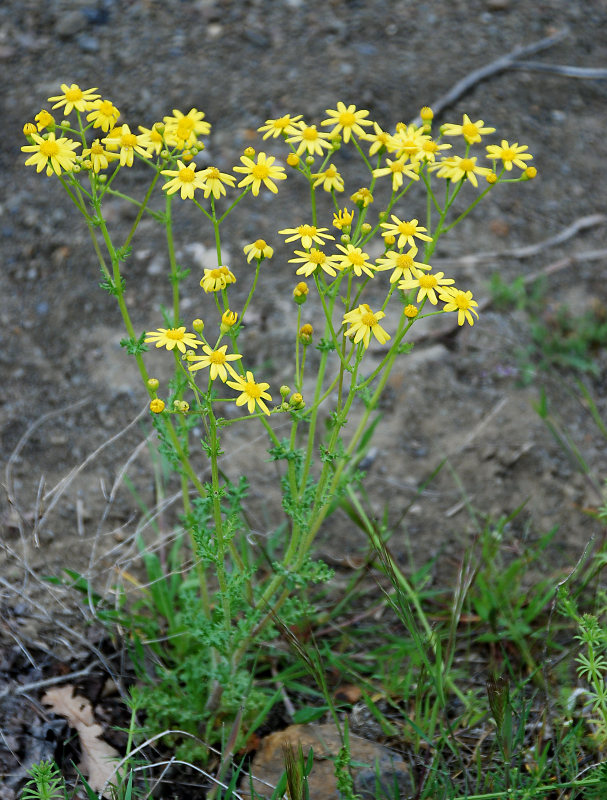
[252,393]
[510,154]
[54,154]
[98,156]
[363,322]
[431,149]
[379,139]
[405,230]
[185,180]
[260,171]
[353,257]
[398,169]
[408,141]
[151,138]
[457,168]
[258,249]
[157,405]
[73,97]
[181,130]
[218,360]
[311,261]
[307,233]
[172,338]
[215,182]
[346,120]
[401,264]
[278,127]
[215,280]
[331,179]
[362,197]
[427,284]
[104,114]
[462,302]
[121,138]
[471,131]
[308,138]
[343,219]
[44,119]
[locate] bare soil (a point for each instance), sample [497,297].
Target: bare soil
[67,386]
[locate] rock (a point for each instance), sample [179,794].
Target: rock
[268,764]
[70,24]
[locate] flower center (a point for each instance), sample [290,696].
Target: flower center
[49,148]
[306,230]
[187,175]
[260,171]
[96,149]
[357,259]
[397,166]
[73,95]
[410,146]
[217,357]
[347,119]
[407,228]
[467,164]
[128,140]
[427,281]
[213,173]
[175,334]
[404,261]
[260,244]
[310,133]
[461,301]
[281,123]
[368,319]
[508,154]
[252,389]
[430,146]
[470,129]
[317,257]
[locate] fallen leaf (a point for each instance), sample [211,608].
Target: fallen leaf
[98,757]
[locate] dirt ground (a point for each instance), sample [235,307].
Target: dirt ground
[66,386]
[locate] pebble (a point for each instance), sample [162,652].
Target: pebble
[70,24]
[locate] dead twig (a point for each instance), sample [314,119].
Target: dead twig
[499,65]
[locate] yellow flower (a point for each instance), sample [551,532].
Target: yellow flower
[151,138]
[300,293]
[217,360]
[309,139]
[355,258]
[185,179]
[44,119]
[157,406]
[308,234]
[411,311]
[128,143]
[456,169]
[462,302]
[346,120]
[430,149]
[331,179]
[54,154]
[104,114]
[427,284]
[510,154]
[363,322]
[400,263]
[258,249]
[73,97]
[252,393]
[362,197]
[405,230]
[379,139]
[426,114]
[398,169]
[228,320]
[216,181]
[310,261]
[276,127]
[98,156]
[408,141]
[471,131]
[182,130]
[215,280]
[343,219]
[171,338]
[260,171]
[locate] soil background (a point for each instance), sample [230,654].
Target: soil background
[67,389]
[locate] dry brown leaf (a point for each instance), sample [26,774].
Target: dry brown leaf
[98,757]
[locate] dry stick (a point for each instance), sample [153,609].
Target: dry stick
[589,73]
[499,65]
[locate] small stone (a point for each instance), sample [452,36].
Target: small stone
[70,24]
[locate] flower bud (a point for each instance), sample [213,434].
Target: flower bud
[198,325]
[300,293]
[29,128]
[249,152]
[285,391]
[491,178]
[296,401]
[345,238]
[366,229]
[305,333]
[153,384]
[389,239]
[292,160]
[181,406]
[228,320]
[530,173]
[157,406]
[411,311]
[309,160]
[426,114]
